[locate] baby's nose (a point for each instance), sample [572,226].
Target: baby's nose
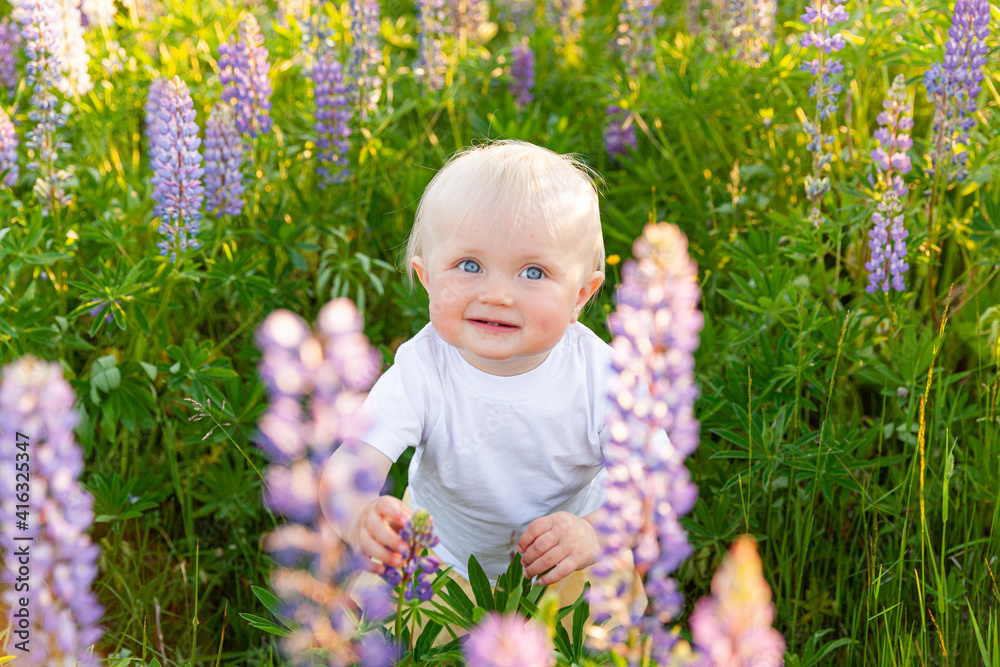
[497,292]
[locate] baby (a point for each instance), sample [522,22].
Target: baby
[503,393]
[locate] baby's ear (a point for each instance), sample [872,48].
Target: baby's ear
[417,263]
[591,284]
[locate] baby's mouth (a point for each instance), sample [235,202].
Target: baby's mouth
[493,323]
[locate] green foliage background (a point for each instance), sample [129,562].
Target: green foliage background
[855,436]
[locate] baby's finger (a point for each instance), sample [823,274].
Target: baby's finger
[562,570]
[532,532]
[375,549]
[393,511]
[545,561]
[387,536]
[540,546]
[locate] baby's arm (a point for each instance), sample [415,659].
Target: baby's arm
[366,521]
[562,543]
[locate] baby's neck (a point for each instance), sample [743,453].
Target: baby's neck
[505,367]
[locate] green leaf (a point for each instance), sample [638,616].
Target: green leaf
[104,375]
[219,373]
[268,599]
[457,599]
[150,369]
[265,625]
[480,585]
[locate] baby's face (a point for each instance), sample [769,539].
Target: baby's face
[505,299]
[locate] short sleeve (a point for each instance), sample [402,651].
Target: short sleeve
[396,408]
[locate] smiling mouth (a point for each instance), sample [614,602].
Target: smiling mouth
[503,326]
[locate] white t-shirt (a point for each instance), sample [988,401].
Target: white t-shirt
[494,453]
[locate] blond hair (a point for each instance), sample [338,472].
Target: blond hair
[512,178]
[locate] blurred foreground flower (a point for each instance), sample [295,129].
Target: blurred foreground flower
[8,150]
[245,78]
[176,165]
[732,626]
[887,263]
[508,641]
[223,162]
[45,519]
[953,85]
[316,383]
[415,573]
[656,328]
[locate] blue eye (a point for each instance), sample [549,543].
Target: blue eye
[533,273]
[470,266]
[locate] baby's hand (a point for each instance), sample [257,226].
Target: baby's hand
[376,532]
[562,542]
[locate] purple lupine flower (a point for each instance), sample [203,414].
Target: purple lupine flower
[49,515]
[8,151]
[522,73]
[415,572]
[954,84]
[245,78]
[508,640]
[619,133]
[732,626]
[822,16]
[656,328]
[887,264]
[176,164]
[636,38]
[10,45]
[223,162]
[431,66]
[74,57]
[40,27]
[366,53]
[332,117]
[316,384]
[100,13]
[99,308]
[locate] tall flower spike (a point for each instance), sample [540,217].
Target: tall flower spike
[10,45]
[50,518]
[316,383]
[508,641]
[223,162]
[176,164]
[822,16]
[42,33]
[636,40]
[245,77]
[366,53]
[8,151]
[415,574]
[431,66]
[522,73]
[887,263]
[656,328]
[732,627]
[954,85]
[332,116]
[74,57]
[619,133]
